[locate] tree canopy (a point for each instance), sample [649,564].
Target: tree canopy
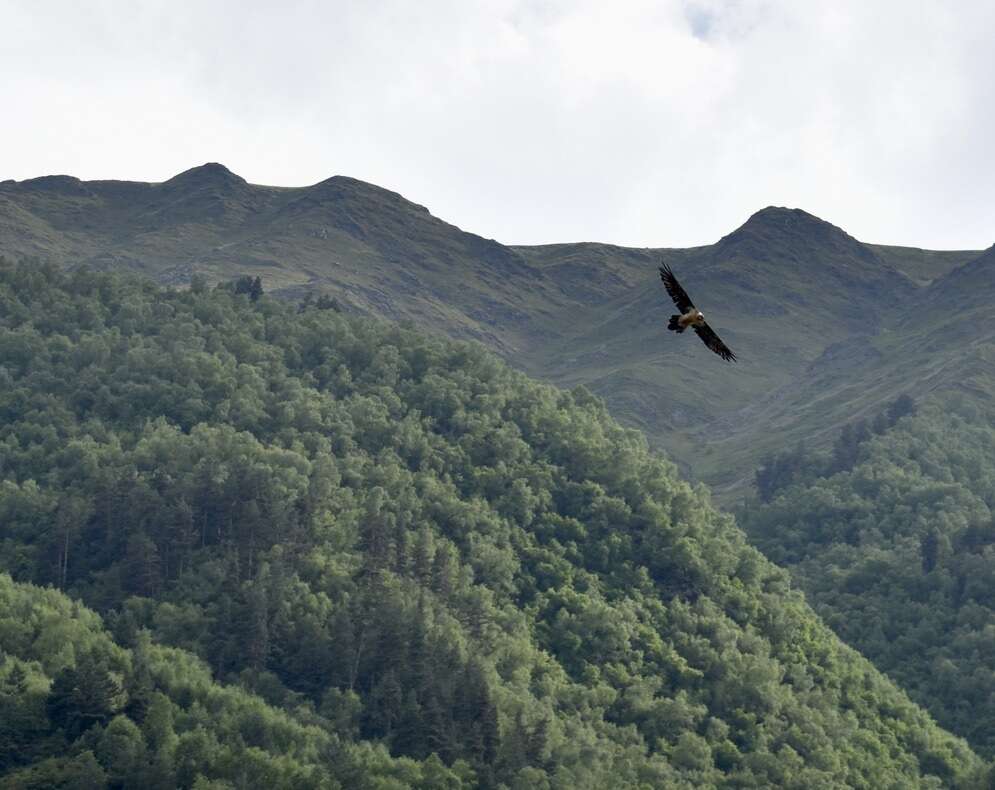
[896,550]
[255,544]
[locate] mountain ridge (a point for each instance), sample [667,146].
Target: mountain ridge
[783,289]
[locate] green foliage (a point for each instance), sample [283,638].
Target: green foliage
[82,696]
[250,286]
[800,465]
[333,552]
[896,551]
[81,772]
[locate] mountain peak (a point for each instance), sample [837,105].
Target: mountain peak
[346,187]
[790,220]
[210,192]
[777,231]
[209,174]
[67,185]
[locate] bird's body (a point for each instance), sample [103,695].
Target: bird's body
[691,316]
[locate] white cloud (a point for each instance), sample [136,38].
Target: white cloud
[641,123]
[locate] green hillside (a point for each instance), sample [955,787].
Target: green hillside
[814,315]
[781,291]
[82,712]
[329,551]
[377,252]
[922,266]
[892,536]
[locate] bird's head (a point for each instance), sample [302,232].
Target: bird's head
[699,316]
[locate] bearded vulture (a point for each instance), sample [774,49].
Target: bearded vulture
[691,316]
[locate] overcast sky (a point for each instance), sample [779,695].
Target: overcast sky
[639,123]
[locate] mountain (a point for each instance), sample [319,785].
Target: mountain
[378,252]
[780,290]
[823,324]
[300,548]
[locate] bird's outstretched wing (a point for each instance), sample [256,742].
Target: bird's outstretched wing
[678,294]
[710,339]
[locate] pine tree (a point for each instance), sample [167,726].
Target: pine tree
[902,406]
[929,548]
[82,696]
[256,619]
[142,565]
[139,686]
[16,731]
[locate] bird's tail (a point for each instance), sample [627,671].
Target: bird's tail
[674,325]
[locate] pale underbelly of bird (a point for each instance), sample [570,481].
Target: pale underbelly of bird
[694,318]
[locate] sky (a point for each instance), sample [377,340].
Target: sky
[531,121]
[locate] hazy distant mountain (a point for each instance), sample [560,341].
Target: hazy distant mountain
[826,327]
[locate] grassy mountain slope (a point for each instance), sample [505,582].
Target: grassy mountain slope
[820,321]
[779,290]
[378,252]
[401,544]
[922,266]
[942,344]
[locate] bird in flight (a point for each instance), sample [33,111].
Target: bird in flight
[691,316]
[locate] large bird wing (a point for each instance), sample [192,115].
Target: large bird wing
[678,294]
[710,339]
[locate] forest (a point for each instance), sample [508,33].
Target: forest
[892,537]
[250,543]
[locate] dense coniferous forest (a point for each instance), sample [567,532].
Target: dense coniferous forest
[892,536]
[247,543]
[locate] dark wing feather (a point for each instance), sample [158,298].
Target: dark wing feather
[710,339]
[678,294]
